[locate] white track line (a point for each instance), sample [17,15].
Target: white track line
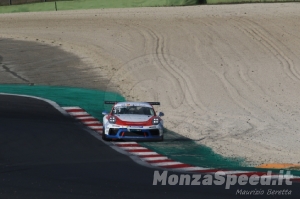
[125,143]
[85,117]
[144,153]
[96,127]
[70,108]
[191,168]
[133,148]
[154,158]
[79,113]
[166,163]
[93,122]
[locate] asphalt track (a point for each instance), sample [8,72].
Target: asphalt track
[24,62]
[46,154]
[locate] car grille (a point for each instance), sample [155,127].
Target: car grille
[154,132]
[134,132]
[113,131]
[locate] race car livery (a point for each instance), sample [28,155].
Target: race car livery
[132,121]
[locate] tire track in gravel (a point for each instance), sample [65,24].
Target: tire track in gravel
[237,96]
[279,47]
[214,117]
[252,85]
[233,92]
[157,51]
[273,106]
[260,34]
[177,72]
[172,68]
[251,128]
[245,79]
[273,102]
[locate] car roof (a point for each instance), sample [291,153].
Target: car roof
[124,104]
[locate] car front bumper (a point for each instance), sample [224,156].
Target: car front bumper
[134,134]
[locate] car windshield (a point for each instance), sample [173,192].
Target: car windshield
[140,110]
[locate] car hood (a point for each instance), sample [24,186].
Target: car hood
[134,118]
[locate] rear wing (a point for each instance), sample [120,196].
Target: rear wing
[110,102]
[154,103]
[114,102]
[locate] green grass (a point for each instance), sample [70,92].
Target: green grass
[93,4]
[187,151]
[246,1]
[88,99]
[175,146]
[48,6]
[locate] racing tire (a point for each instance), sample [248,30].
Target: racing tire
[103,136]
[161,139]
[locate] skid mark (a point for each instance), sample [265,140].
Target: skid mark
[8,70]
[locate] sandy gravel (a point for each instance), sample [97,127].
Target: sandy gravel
[227,76]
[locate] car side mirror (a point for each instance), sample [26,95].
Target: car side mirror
[104,113]
[160,114]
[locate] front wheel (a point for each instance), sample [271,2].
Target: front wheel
[103,135]
[161,139]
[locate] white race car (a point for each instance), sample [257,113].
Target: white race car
[132,121]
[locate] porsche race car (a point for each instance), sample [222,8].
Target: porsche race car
[132,121]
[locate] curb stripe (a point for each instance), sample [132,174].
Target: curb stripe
[85,118]
[204,170]
[73,111]
[94,126]
[139,150]
[192,168]
[81,113]
[153,158]
[235,172]
[180,165]
[133,148]
[128,145]
[159,161]
[149,156]
[166,163]
[70,108]
[144,153]
[91,122]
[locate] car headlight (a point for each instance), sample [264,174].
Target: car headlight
[155,121]
[112,119]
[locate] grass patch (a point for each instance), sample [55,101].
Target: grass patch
[93,4]
[90,100]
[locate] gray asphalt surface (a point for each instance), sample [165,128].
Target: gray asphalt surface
[23,62]
[47,155]
[44,154]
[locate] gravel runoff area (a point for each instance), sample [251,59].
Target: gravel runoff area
[227,76]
